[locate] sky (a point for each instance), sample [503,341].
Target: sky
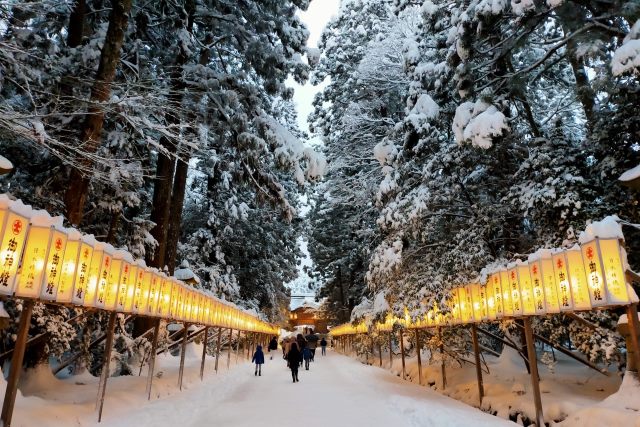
[315,18]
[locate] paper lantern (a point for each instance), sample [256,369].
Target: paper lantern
[68,267]
[98,277]
[13,231]
[491,301]
[54,264]
[507,303]
[526,289]
[613,260]
[143,281]
[562,281]
[537,284]
[466,304]
[155,281]
[453,304]
[34,257]
[514,291]
[85,260]
[478,302]
[494,282]
[577,279]
[164,297]
[127,285]
[108,289]
[551,300]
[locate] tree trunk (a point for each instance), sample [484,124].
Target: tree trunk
[78,187]
[76,24]
[175,214]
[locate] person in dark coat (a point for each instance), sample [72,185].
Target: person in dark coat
[273,346]
[323,344]
[302,343]
[307,356]
[258,358]
[293,356]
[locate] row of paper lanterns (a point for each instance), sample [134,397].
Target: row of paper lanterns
[41,259]
[585,277]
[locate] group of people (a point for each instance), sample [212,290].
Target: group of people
[295,351]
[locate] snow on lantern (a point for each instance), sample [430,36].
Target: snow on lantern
[83,268]
[155,280]
[113,281]
[127,286]
[68,267]
[35,255]
[561,276]
[537,284]
[13,231]
[526,288]
[577,279]
[514,289]
[507,300]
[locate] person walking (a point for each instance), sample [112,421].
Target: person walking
[258,358]
[302,343]
[312,343]
[307,356]
[323,344]
[293,356]
[273,346]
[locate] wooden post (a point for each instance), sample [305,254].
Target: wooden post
[183,352]
[476,352]
[16,362]
[390,350]
[230,348]
[443,368]
[634,329]
[533,365]
[107,358]
[238,346]
[152,358]
[204,351]
[402,353]
[218,347]
[380,352]
[418,351]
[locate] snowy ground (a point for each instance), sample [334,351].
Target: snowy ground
[336,391]
[572,395]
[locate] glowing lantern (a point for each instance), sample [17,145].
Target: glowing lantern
[552,302]
[479,303]
[613,259]
[98,276]
[68,267]
[577,279]
[453,303]
[143,281]
[83,268]
[164,298]
[13,231]
[507,300]
[127,285]
[562,281]
[109,301]
[494,282]
[35,255]
[491,301]
[53,266]
[206,316]
[537,284]
[155,280]
[514,290]
[526,288]
[466,304]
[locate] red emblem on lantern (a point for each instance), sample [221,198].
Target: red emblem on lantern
[126,269]
[535,269]
[86,253]
[106,262]
[590,252]
[559,263]
[16,227]
[58,244]
[513,275]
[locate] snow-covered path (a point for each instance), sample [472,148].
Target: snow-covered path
[336,391]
